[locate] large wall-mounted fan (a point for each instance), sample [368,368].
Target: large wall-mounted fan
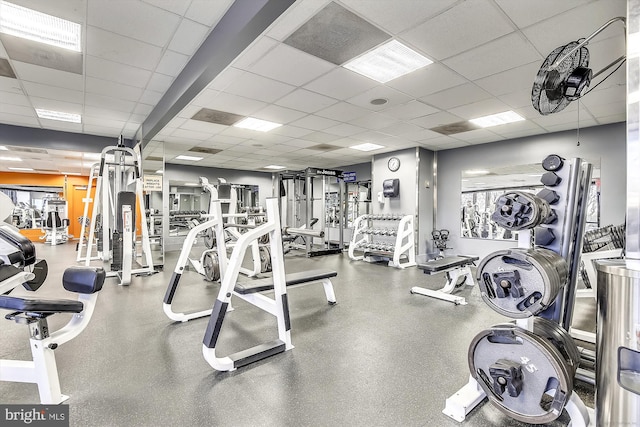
[565,74]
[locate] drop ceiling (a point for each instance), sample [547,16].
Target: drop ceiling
[485,56]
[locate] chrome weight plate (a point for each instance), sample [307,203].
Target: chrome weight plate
[265,259]
[523,374]
[520,283]
[517,210]
[211,265]
[209,238]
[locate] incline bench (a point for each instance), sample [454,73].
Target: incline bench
[454,267]
[292,279]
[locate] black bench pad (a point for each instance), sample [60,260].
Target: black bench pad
[83,280]
[445,263]
[33,305]
[291,279]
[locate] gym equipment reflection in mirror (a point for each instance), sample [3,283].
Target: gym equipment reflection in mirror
[481,188]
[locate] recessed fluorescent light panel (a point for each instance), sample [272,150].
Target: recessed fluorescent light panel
[58,115]
[256,124]
[497,119]
[70,173]
[388,62]
[10,159]
[275,167]
[189,158]
[37,26]
[20,169]
[368,146]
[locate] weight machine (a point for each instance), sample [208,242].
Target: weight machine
[118,199]
[305,194]
[55,223]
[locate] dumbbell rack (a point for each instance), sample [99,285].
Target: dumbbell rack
[561,232]
[379,243]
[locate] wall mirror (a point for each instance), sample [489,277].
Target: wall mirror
[481,187]
[30,203]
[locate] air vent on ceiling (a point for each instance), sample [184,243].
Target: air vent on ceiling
[35,53]
[452,128]
[336,35]
[217,117]
[153,159]
[205,150]
[27,150]
[5,69]
[323,147]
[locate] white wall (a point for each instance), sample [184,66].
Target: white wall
[607,143]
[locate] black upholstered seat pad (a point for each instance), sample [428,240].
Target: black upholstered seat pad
[436,265]
[40,305]
[291,279]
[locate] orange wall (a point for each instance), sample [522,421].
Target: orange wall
[74,196]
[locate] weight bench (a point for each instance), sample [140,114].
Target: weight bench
[42,370]
[454,267]
[291,279]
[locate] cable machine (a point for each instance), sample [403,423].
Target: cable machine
[113,220]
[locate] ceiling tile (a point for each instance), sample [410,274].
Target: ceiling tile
[410,110]
[124,50]
[527,13]
[511,80]
[490,58]
[120,73]
[177,7]
[225,78]
[150,97]
[112,89]
[206,12]
[52,92]
[315,123]
[234,104]
[343,111]
[190,134]
[519,99]
[401,128]
[291,131]
[393,96]
[294,16]
[300,67]
[159,82]
[10,85]
[304,100]
[172,63]
[437,40]
[203,127]
[12,98]
[456,96]
[106,113]
[278,114]
[56,105]
[137,20]
[257,87]
[108,102]
[478,136]
[101,121]
[341,83]
[49,76]
[398,15]
[143,109]
[321,137]
[188,37]
[64,126]
[437,119]
[480,108]
[254,52]
[16,119]
[374,121]
[427,80]
[345,129]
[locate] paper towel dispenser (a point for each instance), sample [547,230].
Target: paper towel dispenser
[391,187]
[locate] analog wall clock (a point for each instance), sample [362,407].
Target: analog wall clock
[394,164]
